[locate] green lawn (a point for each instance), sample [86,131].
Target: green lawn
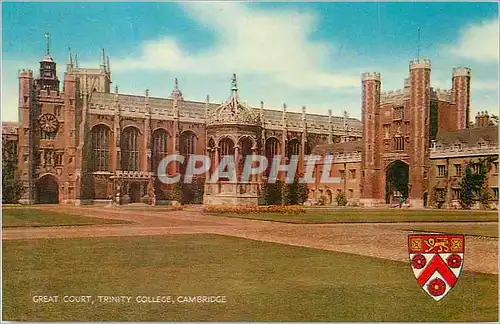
[478,229]
[261,282]
[31,217]
[319,216]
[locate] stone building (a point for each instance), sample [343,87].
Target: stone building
[407,135]
[86,144]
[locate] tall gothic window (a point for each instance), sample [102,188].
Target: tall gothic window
[130,149]
[187,143]
[293,148]
[100,148]
[226,147]
[160,137]
[272,149]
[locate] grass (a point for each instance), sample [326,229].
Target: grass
[261,281]
[478,229]
[31,217]
[321,216]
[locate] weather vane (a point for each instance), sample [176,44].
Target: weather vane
[47,41]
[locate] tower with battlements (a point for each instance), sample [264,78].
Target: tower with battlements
[398,127]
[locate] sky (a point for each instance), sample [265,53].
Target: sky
[301,54]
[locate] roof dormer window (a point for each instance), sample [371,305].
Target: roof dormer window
[457,147]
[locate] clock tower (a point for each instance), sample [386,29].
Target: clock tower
[48,76]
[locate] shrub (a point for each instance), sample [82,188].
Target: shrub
[273,193]
[341,199]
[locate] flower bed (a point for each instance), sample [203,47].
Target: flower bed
[254,209]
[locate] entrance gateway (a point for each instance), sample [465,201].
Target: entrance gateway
[396,182]
[47,190]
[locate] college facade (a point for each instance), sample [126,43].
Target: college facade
[88,143]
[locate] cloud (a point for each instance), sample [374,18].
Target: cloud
[478,42]
[275,45]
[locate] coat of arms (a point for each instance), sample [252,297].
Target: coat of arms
[437,261]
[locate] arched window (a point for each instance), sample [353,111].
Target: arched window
[293,148]
[187,143]
[130,149]
[160,137]
[100,148]
[272,149]
[246,145]
[226,147]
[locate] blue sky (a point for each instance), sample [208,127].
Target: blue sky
[308,54]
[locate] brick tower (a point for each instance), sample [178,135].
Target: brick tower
[461,95]
[371,174]
[420,73]
[26,152]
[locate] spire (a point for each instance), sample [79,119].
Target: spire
[146,102]
[176,93]
[330,129]
[346,127]
[207,107]
[116,101]
[76,60]
[47,43]
[69,64]
[303,113]
[103,59]
[107,64]
[234,85]
[261,112]
[283,115]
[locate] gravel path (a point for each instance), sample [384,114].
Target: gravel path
[381,240]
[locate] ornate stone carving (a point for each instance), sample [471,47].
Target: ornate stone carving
[233,111]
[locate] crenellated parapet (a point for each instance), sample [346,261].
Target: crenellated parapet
[441,94]
[367,76]
[394,96]
[461,71]
[422,63]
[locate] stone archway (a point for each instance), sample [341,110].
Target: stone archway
[396,182]
[47,190]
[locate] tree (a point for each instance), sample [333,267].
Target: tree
[474,184]
[12,186]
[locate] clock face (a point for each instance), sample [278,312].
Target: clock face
[48,123]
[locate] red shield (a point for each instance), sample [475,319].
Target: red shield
[437,261]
